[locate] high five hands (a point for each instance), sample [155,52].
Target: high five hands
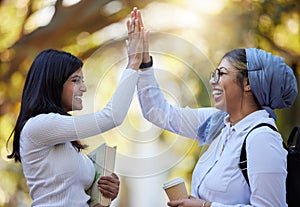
[138,41]
[138,53]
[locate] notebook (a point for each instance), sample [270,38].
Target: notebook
[104,158]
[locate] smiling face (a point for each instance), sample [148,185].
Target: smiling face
[73,89]
[227,92]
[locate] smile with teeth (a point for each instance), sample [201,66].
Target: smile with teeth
[78,97]
[217,92]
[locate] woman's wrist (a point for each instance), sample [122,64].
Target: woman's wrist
[206,204]
[133,64]
[147,64]
[146,57]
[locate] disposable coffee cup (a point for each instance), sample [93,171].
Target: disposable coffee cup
[175,189]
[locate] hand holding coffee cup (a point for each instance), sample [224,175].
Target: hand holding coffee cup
[175,189]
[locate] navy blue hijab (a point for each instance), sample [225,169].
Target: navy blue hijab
[272,81]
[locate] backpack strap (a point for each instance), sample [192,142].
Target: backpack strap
[290,142]
[243,157]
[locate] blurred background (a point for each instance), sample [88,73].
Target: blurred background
[187,40]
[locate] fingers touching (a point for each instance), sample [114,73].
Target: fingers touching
[135,23]
[135,42]
[138,40]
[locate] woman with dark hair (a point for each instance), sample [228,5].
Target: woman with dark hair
[246,87]
[46,137]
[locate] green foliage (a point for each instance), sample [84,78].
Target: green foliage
[268,24]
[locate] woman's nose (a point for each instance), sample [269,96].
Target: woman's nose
[211,81]
[83,87]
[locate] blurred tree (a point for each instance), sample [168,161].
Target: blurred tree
[275,27]
[24,32]
[62,31]
[269,24]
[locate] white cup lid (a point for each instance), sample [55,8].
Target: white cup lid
[172,183]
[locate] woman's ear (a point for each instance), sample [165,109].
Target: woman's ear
[247,86]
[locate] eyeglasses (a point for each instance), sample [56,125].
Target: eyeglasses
[217,73]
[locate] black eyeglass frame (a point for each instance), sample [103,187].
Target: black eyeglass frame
[216,74]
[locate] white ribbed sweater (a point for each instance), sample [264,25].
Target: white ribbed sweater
[56,173]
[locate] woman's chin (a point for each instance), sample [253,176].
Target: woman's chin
[220,107]
[77,108]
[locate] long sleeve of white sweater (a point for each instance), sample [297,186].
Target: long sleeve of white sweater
[51,129]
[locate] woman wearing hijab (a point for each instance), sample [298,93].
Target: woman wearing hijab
[246,87]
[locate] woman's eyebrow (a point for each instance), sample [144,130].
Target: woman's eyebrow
[222,68]
[77,76]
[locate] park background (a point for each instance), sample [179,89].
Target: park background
[187,40]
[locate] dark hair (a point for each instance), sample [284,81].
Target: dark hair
[237,58]
[42,91]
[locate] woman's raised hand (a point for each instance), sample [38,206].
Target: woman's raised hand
[134,44]
[146,56]
[138,40]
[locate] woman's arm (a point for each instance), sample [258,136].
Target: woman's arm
[266,162]
[156,109]
[51,129]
